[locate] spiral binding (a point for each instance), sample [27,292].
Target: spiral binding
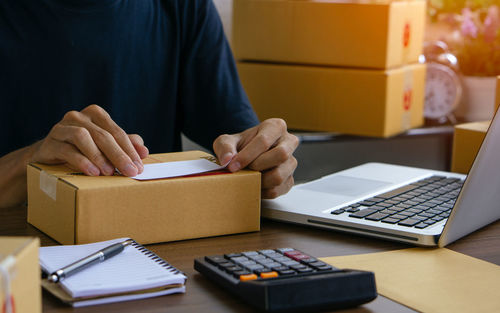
[153,256]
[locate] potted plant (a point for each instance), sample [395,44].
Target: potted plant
[473,36]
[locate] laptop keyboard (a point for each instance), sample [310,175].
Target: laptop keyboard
[419,204]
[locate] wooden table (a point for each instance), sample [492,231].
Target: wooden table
[203,296]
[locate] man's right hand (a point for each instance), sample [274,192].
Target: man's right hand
[91,142]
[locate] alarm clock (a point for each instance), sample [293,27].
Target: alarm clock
[443,88]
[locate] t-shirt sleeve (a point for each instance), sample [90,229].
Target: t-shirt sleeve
[211,98]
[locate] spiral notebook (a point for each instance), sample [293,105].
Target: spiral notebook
[135,273]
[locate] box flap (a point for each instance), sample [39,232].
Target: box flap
[82,182]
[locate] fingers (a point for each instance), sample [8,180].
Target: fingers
[113,141]
[93,143]
[279,174]
[258,140]
[73,157]
[81,138]
[225,147]
[139,146]
[277,155]
[277,191]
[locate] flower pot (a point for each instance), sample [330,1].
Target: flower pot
[478,100]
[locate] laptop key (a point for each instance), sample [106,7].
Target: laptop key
[396,192]
[421,225]
[338,211]
[362,213]
[390,220]
[388,211]
[409,222]
[352,210]
[376,217]
[399,216]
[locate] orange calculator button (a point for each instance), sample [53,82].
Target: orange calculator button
[269,275]
[248,277]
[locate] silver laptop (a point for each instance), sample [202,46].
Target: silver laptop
[412,205]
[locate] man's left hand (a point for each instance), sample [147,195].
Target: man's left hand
[268,148]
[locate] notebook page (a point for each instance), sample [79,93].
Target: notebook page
[129,270]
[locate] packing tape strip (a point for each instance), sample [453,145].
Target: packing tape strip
[48,184]
[6,268]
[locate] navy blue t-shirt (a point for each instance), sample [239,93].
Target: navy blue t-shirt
[159,67]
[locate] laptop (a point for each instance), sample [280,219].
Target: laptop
[412,205]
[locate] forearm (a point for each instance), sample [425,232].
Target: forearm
[13,188]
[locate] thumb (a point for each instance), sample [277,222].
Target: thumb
[225,147]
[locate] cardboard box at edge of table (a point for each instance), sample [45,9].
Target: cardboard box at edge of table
[73,208]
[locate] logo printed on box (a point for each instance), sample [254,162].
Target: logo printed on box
[406,35]
[407,100]
[12,308]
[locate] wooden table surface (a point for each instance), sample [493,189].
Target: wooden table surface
[203,296]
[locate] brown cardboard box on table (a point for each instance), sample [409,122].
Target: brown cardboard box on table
[366,34]
[75,209]
[19,258]
[378,103]
[467,140]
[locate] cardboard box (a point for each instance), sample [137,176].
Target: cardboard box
[349,101]
[467,140]
[76,209]
[497,97]
[19,258]
[368,34]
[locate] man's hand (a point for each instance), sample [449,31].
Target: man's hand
[91,142]
[268,148]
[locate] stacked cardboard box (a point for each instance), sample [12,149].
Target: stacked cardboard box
[467,140]
[20,290]
[349,67]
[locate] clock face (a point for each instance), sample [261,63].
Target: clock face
[442,91]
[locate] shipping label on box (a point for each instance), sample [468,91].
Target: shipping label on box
[467,140]
[350,101]
[367,34]
[20,290]
[74,209]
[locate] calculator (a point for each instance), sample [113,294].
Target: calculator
[287,279]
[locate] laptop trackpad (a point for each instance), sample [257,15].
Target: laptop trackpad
[345,185]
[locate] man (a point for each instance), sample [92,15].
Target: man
[154,67]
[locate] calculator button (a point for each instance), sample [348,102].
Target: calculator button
[283,250]
[239,259]
[298,266]
[232,255]
[305,270]
[266,252]
[215,259]
[225,265]
[247,263]
[290,263]
[241,273]
[308,260]
[268,275]
[250,253]
[316,264]
[273,265]
[280,268]
[299,257]
[254,267]
[292,253]
[248,277]
[232,269]
[263,270]
[257,257]
[324,268]
[287,272]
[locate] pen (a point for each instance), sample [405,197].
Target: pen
[94,258]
